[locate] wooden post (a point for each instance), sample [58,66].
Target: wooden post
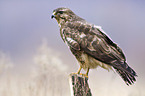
[79,85]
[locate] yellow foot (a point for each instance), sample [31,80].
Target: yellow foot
[85,75]
[74,73]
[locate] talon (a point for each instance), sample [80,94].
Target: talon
[85,75]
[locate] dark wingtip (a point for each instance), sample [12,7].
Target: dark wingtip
[126,76]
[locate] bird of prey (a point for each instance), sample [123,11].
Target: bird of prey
[91,46]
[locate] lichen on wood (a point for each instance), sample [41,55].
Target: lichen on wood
[79,85]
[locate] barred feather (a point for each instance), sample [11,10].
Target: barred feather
[91,45]
[126,72]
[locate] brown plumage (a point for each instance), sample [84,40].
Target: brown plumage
[91,46]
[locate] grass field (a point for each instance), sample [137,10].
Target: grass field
[45,77]
[48,77]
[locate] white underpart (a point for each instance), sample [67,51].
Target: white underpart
[92,63]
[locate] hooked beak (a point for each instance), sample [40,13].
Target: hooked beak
[53,16]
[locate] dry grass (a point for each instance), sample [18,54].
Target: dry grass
[46,77]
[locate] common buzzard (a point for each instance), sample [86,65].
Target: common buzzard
[91,46]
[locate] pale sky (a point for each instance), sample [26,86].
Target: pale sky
[25,24]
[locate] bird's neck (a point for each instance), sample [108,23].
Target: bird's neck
[61,22]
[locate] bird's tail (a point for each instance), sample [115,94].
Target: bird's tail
[126,72]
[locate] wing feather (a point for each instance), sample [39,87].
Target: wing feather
[82,36]
[94,42]
[72,43]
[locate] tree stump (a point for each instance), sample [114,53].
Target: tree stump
[79,85]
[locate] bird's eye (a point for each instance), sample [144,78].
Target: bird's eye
[61,12]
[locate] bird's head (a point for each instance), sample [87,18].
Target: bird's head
[63,14]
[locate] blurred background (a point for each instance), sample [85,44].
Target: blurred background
[34,61]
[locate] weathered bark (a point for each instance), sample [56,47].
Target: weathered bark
[79,85]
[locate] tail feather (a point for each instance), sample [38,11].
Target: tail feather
[127,73]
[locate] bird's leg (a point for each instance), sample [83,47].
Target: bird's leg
[87,71]
[79,70]
[86,75]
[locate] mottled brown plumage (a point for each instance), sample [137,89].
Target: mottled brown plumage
[91,46]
